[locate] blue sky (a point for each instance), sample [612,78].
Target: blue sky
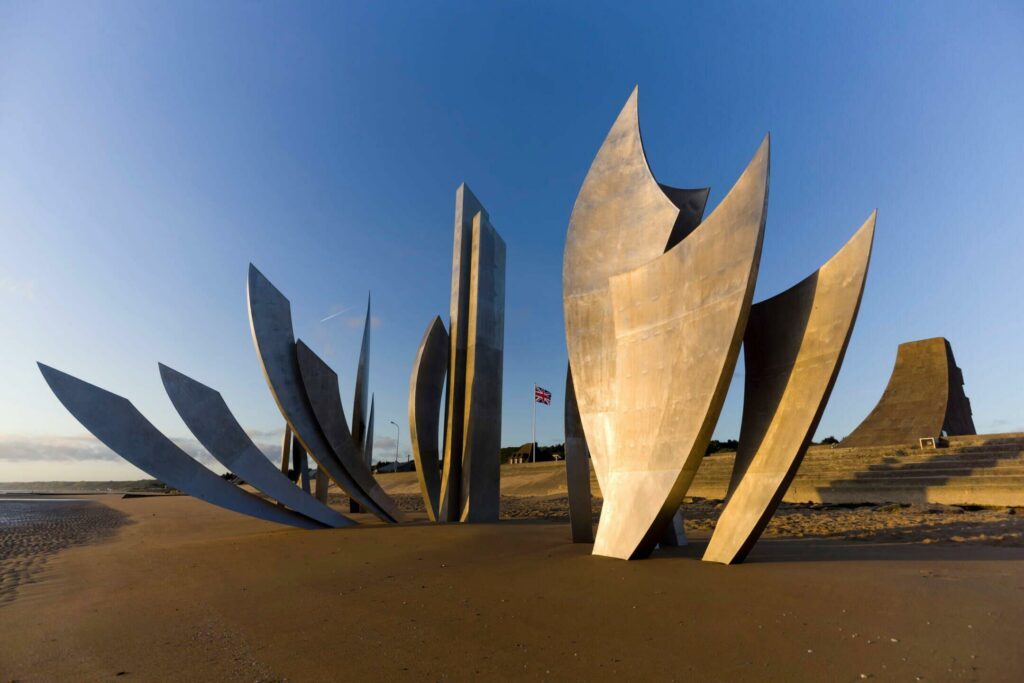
[150,151]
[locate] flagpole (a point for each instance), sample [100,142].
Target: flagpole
[533,445]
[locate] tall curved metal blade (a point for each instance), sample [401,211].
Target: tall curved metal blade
[321,384]
[793,347]
[208,417]
[621,220]
[577,469]
[361,398]
[117,423]
[467,206]
[368,441]
[270,319]
[480,489]
[673,328]
[425,388]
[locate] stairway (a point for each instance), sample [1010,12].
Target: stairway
[973,470]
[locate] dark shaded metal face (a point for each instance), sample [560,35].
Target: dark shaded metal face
[117,423]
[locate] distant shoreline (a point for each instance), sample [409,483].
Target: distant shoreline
[42,488]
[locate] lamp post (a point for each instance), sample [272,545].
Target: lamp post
[396,443]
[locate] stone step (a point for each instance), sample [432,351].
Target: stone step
[1004,467]
[943,458]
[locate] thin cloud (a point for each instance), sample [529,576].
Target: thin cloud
[346,309]
[79,449]
[25,290]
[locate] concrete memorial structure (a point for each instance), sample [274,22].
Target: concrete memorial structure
[924,398]
[467,486]
[657,301]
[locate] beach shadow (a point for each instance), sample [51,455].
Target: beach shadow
[809,550]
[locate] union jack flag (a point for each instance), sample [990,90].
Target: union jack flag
[541,395]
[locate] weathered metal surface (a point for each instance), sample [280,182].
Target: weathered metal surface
[425,388]
[208,417]
[924,397]
[577,469]
[653,337]
[485,344]
[321,384]
[270,319]
[621,220]
[117,423]
[466,207]
[793,348]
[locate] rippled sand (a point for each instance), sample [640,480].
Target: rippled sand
[32,530]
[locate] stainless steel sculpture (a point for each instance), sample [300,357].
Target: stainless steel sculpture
[208,417]
[469,482]
[577,469]
[653,335]
[321,383]
[425,390]
[117,423]
[271,322]
[363,444]
[793,348]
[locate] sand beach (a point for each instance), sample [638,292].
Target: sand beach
[171,588]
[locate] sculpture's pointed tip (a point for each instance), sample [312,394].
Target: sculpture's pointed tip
[869,227]
[51,375]
[764,152]
[632,102]
[255,276]
[47,371]
[869,223]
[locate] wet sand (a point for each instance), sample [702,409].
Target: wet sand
[191,591]
[34,528]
